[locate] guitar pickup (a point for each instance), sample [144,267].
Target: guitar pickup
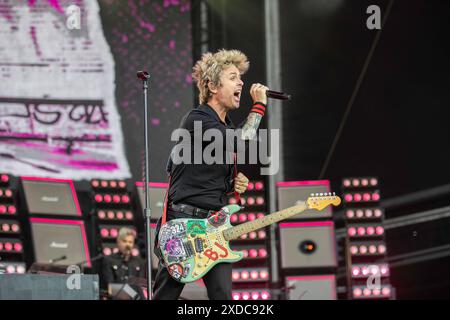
[198,245]
[188,247]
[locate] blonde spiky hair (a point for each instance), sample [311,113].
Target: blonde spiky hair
[210,66]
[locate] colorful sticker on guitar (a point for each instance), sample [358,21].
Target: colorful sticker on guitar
[195,227]
[218,218]
[174,247]
[176,271]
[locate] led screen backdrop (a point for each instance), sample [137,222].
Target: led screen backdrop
[70,103]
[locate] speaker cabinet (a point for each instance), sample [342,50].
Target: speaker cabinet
[50,196]
[311,287]
[290,193]
[61,240]
[307,245]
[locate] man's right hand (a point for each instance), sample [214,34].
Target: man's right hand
[258,93]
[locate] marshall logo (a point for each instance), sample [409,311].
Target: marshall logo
[49,199]
[59,245]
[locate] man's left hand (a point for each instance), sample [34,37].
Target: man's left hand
[240,183]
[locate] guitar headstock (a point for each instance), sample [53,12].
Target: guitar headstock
[320,201]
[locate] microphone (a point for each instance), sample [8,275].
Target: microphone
[143,75]
[278,95]
[58,259]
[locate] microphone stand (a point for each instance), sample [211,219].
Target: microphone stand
[144,76]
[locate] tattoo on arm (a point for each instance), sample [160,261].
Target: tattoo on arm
[251,126]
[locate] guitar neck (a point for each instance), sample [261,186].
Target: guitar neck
[237,231]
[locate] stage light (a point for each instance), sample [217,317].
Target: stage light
[265,295]
[346,183]
[250,186]
[260,215]
[250,201]
[98,198]
[262,253]
[365,231]
[357,292]
[261,234]
[251,216]
[259,185]
[260,201]
[125,199]
[255,295]
[386,291]
[111,215]
[375,196]
[116,198]
[244,275]
[253,253]
[362,292]
[129,215]
[122,184]
[18,247]
[233,218]
[113,184]
[104,184]
[119,215]
[379,230]
[245,295]
[355,183]
[101,214]
[236,296]
[242,217]
[350,214]
[104,232]
[232,201]
[264,274]
[235,275]
[113,232]
[4,178]
[348,197]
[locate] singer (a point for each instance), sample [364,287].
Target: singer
[199,190]
[119,267]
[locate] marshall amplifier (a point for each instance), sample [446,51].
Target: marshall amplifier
[59,241]
[321,287]
[291,192]
[50,196]
[157,196]
[307,245]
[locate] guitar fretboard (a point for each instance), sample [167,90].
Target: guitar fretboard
[237,231]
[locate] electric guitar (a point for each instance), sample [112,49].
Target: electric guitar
[191,247]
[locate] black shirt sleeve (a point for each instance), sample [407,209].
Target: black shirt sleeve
[107,273]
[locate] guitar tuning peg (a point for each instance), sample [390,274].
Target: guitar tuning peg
[334,193]
[312,194]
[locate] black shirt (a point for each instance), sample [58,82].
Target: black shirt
[116,270]
[203,185]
